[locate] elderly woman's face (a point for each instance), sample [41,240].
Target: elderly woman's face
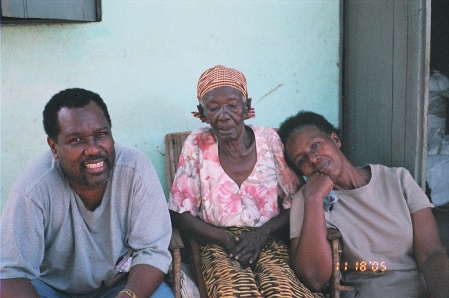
[225,111]
[313,151]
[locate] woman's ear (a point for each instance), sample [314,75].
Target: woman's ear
[250,112]
[248,105]
[202,115]
[336,139]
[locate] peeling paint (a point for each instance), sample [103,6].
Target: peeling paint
[162,153]
[105,56]
[266,94]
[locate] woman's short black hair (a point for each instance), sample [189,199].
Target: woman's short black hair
[301,119]
[69,98]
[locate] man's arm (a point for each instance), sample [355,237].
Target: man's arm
[143,280]
[18,288]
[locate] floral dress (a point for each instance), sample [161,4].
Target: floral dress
[203,188]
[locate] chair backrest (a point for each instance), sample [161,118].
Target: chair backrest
[173,147]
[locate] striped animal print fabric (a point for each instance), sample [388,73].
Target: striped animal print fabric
[271,276]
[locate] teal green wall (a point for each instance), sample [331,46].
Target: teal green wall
[144,59]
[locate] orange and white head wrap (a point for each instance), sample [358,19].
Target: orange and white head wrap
[219,76]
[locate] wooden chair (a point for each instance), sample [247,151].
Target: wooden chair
[334,236]
[173,148]
[175,247]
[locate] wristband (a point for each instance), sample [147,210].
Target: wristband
[129,292]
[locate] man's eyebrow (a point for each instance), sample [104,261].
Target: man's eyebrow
[77,133]
[72,134]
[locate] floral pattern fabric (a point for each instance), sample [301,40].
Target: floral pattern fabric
[203,188]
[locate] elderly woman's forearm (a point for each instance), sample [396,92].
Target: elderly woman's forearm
[277,223]
[199,229]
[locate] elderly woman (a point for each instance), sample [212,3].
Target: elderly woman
[232,192]
[389,235]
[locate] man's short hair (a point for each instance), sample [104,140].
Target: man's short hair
[69,98]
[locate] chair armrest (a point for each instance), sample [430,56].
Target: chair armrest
[333,234]
[175,247]
[175,241]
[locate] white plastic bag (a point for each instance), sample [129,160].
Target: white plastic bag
[437,172]
[438,101]
[435,138]
[444,148]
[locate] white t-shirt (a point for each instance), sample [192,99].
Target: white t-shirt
[47,233]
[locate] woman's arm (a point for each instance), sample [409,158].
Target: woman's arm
[203,232]
[430,254]
[250,243]
[311,253]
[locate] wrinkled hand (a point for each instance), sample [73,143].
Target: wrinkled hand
[230,243]
[249,245]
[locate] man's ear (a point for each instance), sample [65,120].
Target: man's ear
[52,144]
[202,115]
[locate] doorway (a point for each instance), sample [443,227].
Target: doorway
[389,48]
[438,150]
[386,50]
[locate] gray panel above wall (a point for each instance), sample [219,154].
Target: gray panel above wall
[51,10]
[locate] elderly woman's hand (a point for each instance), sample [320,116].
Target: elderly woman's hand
[229,243]
[250,245]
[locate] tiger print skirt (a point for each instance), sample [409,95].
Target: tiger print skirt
[271,276]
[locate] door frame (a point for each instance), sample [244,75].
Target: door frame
[386,64]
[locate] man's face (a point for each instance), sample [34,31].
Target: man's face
[84,147]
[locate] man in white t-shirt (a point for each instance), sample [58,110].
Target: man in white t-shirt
[89,217]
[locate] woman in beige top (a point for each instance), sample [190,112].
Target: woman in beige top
[391,246]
